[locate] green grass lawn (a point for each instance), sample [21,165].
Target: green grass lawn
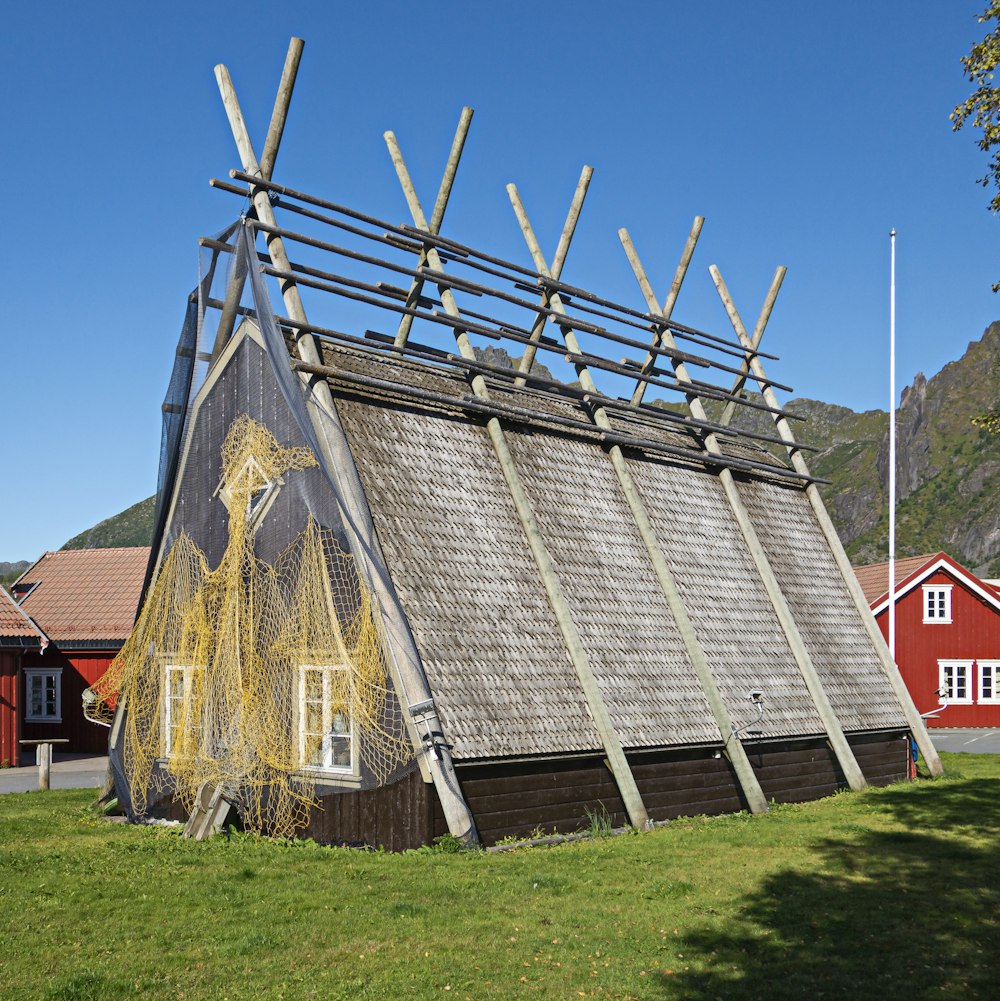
[887,894]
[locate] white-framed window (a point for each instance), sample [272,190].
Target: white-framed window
[43,694]
[989,681]
[326,730]
[260,491]
[177,681]
[956,680]
[937,603]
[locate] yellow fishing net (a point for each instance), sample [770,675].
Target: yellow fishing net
[255,678]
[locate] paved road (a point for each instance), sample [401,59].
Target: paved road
[69,771]
[969,739]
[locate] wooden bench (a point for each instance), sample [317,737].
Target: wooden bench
[43,756]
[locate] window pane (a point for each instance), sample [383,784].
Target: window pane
[312,685]
[341,751]
[35,695]
[312,718]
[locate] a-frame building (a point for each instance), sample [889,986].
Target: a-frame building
[583,601]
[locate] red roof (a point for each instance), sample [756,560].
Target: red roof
[85,594]
[14,624]
[874,577]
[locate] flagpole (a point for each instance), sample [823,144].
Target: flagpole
[892,443]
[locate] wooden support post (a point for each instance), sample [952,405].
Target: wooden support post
[758,333]
[437,218]
[841,748]
[754,795]
[357,517]
[44,759]
[543,561]
[272,142]
[910,712]
[562,249]
[668,306]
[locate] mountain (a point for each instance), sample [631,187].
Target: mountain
[9,572]
[133,527]
[947,470]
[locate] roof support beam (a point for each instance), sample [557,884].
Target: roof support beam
[668,307]
[754,795]
[357,519]
[437,217]
[841,749]
[758,332]
[562,249]
[756,369]
[536,544]
[272,141]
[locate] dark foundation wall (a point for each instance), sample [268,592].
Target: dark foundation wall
[522,798]
[526,797]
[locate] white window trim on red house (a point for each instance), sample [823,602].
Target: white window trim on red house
[990,668]
[953,571]
[955,675]
[937,604]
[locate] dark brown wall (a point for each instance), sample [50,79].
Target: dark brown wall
[395,817]
[521,798]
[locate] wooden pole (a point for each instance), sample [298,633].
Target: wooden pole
[562,249]
[44,756]
[668,307]
[841,748]
[912,716]
[758,333]
[358,519]
[275,130]
[536,544]
[735,751]
[437,217]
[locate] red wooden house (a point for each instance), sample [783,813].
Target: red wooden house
[947,636]
[84,602]
[18,636]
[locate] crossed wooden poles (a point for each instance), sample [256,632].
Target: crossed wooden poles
[551,309]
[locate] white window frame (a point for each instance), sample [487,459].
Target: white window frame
[937,604]
[949,686]
[258,503]
[186,672]
[326,766]
[990,668]
[31,674]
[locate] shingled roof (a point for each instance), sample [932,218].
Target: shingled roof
[85,595]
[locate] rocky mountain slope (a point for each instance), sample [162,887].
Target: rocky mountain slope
[947,471]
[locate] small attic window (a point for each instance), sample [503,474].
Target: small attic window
[262,491]
[22,589]
[937,603]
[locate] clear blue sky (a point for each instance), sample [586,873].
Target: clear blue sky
[803,132]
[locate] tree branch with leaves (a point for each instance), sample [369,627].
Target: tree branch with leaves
[981,109]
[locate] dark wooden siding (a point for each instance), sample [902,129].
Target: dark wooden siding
[522,798]
[395,816]
[9,749]
[79,671]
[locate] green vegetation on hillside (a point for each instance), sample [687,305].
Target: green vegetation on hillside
[133,527]
[837,898]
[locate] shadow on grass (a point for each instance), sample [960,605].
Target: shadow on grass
[884,915]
